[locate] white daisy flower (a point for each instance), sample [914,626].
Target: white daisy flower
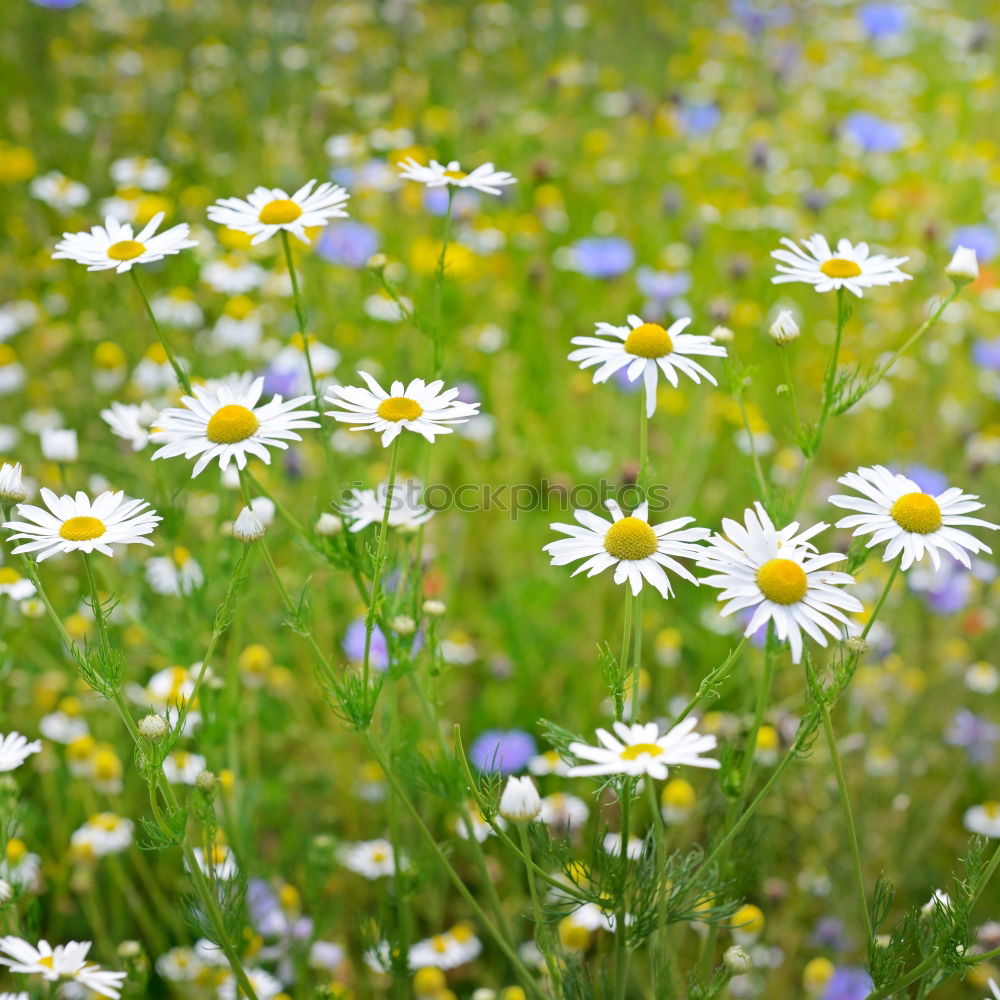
[265,986]
[79,523]
[446,951]
[65,961]
[218,861]
[782,577]
[103,834]
[371,858]
[268,210]
[224,422]
[983,819]
[419,407]
[638,551]
[15,750]
[131,422]
[895,510]
[59,192]
[365,507]
[484,178]
[114,245]
[140,172]
[15,586]
[851,267]
[233,275]
[176,574]
[564,813]
[182,767]
[641,749]
[647,349]
[11,483]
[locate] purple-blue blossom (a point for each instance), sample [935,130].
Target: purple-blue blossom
[502,751]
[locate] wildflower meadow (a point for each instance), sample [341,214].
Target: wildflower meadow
[498,500]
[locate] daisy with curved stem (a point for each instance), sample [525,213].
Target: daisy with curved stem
[77,523]
[641,750]
[639,551]
[850,266]
[781,577]
[909,522]
[228,422]
[114,245]
[484,178]
[266,211]
[647,350]
[417,406]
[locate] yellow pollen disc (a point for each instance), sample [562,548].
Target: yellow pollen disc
[8,575]
[105,821]
[125,250]
[279,212]
[782,581]
[917,512]
[455,175]
[180,555]
[837,267]
[231,423]
[378,855]
[992,809]
[630,538]
[82,529]
[47,960]
[397,408]
[439,943]
[635,751]
[16,849]
[649,341]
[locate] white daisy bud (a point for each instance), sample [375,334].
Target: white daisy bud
[248,527]
[205,780]
[59,445]
[6,892]
[377,261]
[328,524]
[737,960]
[784,329]
[435,608]
[722,335]
[403,625]
[857,645]
[520,802]
[11,487]
[963,266]
[153,727]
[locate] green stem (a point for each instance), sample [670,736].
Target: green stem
[376,596]
[637,658]
[542,930]
[643,477]
[790,385]
[881,599]
[501,941]
[619,692]
[182,377]
[439,282]
[714,677]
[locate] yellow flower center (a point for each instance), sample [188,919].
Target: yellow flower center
[636,750]
[838,267]
[439,943]
[397,408]
[917,512]
[279,212]
[231,423]
[630,538]
[46,960]
[992,809]
[16,849]
[649,341]
[180,555]
[378,854]
[8,575]
[105,821]
[455,175]
[82,529]
[239,307]
[125,250]
[782,581]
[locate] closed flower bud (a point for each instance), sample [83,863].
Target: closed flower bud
[205,780]
[435,608]
[857,645]
[6,892]
[784,329]
[722,335]
[963,266]
[153,727]
[377,261]
[11,487]
[328,524]
[248,527]
[737,960]
[403,625]
[520,802]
